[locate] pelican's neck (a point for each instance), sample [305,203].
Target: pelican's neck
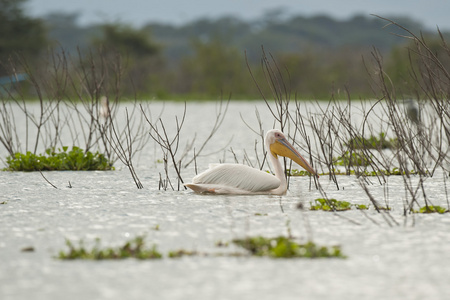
[279,173]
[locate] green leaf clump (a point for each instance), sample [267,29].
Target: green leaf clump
[284,247]
[297,172]
[373,142]
[278,247]
[63,160]
[131,249]
[353,159]
[432,209]
[330,205]
[181,252]
[361,206]
[395,171]
[335,205]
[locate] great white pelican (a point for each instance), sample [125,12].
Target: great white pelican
[241,179]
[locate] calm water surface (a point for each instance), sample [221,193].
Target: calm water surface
[385,261]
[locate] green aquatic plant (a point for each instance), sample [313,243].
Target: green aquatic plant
[27,249]
[431,209]
[278,247]
[222,244]
[330,205]
[284,247]
[296,172]
[182,252]
[394,172]
[361,206]
[384,208]
[373,142]
[74,160]
[335,205]
[134,248]
[353,159]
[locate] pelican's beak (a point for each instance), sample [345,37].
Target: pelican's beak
[284,148]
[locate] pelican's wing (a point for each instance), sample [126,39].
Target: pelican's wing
[234,179]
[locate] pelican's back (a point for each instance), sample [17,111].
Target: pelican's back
[234,178]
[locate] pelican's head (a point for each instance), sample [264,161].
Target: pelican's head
[279,145]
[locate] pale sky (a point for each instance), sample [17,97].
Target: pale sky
[431,13]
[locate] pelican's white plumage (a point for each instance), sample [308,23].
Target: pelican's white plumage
[242,179]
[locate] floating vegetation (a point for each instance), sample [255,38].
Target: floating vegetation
[432,209]
[373,142]
[353,159]
[278,247]
[394,172]
[330,205]
[361,206]
[284,247]
[222,244]
[296,172]
[132,249]
[28,249]
[4,202]
[260,214]
[335,205]
[384,208]
[182,252]
[63,160]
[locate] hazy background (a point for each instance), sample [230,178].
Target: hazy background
[199,49]
[140,12]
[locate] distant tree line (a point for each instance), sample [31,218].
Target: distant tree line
[19,34]
[206,59]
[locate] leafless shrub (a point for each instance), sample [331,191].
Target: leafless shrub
[220,116]
[277,81]
[414,148]
[169,146]
[127,142]
[77,98]
[173,157]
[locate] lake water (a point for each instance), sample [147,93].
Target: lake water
[410,260]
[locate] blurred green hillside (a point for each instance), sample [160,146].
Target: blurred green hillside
[208,58]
